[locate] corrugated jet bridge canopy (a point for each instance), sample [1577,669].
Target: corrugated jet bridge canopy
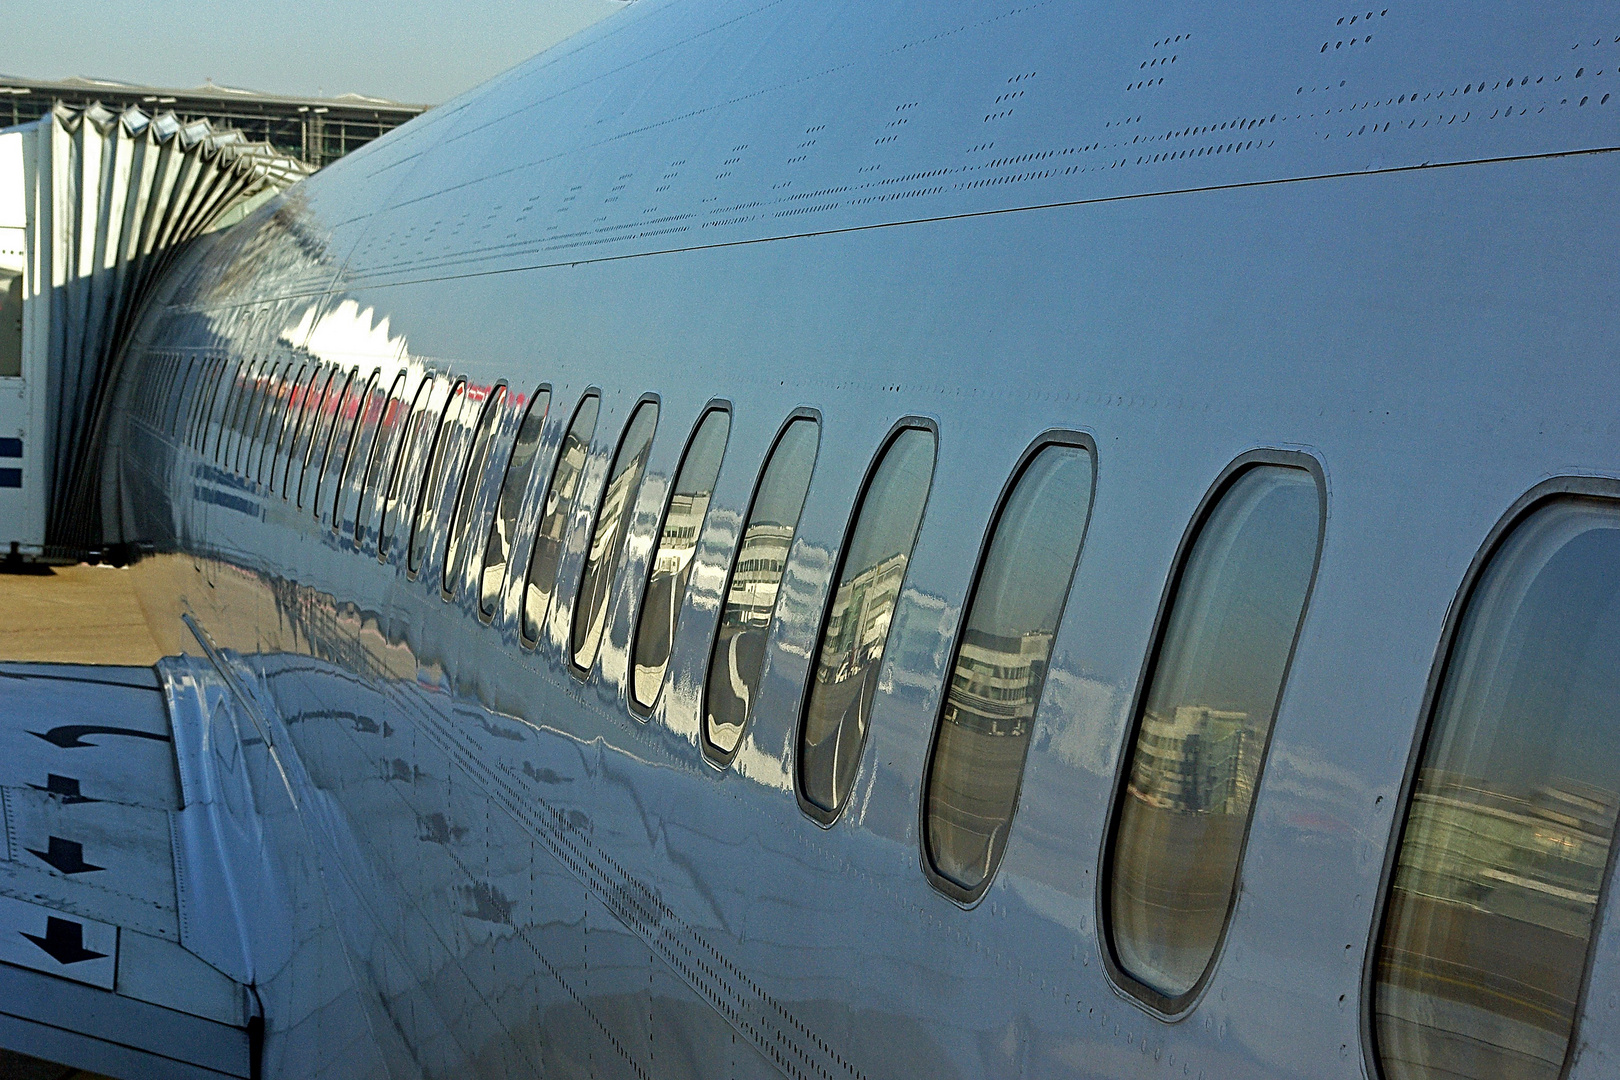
[93,206]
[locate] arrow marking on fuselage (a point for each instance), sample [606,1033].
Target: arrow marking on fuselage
[63,941]
[67,856]
[64,787]
[71,735]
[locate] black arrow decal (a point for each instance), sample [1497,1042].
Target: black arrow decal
[65,786]
[70,735]
[66,855]
[64,941]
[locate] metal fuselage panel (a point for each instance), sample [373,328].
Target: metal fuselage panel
[1425,309]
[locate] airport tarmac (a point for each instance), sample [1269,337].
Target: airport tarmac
[76,615]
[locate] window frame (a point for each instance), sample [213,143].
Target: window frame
[524,641]
[713,405]
[332,435]
[488,617]
[247,416]
[341,479]
[392,493]
[197,410]
[712,754]
[240,376]
[309,414]
[421,512]
[382,442]
[814,811]
[1522,509]
[495,412]
[1167,1008]
[269,412]
[971,898]
[177,405]
[584,673]
[286,421]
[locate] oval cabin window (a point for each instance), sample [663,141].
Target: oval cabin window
[999,668]
[546,556]
[605,551]
[306,448]
[380,444]
[420,416]
[503,529]
[871,571]
[483,444]
[737,665]
[1201,733]
[431,493]
[1504,856]
[336,412]
[684,516]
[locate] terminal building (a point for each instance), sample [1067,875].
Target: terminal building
[316,131]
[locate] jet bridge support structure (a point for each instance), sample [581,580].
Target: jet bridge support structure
[93,206]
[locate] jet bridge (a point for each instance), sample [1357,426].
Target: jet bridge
[93,206]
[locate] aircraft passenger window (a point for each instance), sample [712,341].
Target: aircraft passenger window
[999,667]
[268,401]
[161,406]
[455,552]
[252,397]
[1501,873]
[305,445]
[275,425]
[169,418]
[684,515]
[246,417]
[193,406]
[235,400]
[1201,732]
[431,493]
[340,415]
[297,391]
[235,395]
[406,449]
[359,417]
[738,662]
[381,442]
[871,570]
[548,538]
[503,529]
[605,551]
[203,401]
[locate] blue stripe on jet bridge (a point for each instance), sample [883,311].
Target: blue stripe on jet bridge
[10,448]
[10,478]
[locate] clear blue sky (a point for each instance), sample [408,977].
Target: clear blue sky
[408,50]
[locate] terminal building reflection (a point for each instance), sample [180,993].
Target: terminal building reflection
[1197,760]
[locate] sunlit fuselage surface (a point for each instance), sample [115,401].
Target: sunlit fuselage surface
[1100,777]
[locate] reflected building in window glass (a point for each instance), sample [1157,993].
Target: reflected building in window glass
[871,573]
[1498,884]
[1199,760]
[677,545]
[1211,697]
[997,681]
[999,668]
[738,662]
